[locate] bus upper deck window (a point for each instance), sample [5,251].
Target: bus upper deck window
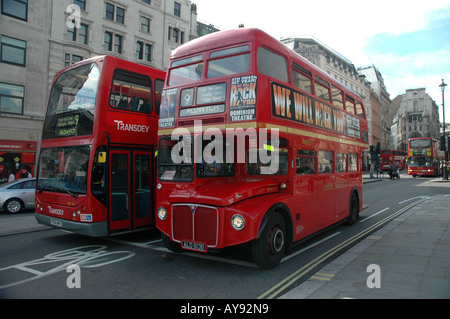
[272,64]
[224,64]
[186,70]
[359,110]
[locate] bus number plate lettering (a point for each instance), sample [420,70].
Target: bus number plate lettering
[194,246]
[55,222]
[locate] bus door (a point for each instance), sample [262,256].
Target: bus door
[130,200]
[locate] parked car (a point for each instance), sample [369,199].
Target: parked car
[18,195]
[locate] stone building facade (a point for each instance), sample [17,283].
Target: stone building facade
[417,116]
[344,71]
[381,126]
[37,40]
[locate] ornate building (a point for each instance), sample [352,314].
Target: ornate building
[367,82]
[417,116]
[381,126]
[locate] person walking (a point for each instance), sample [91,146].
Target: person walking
[371,170]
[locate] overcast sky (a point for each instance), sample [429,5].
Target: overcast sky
[407,40]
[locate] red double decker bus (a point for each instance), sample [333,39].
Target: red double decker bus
[394,157]
[256,145]
[424,157]
[96,166]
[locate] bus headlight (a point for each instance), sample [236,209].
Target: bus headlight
[238,222]
[162,213]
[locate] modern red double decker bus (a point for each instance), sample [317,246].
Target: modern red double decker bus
[394,157]
[256,145]
[424,157]
[96,166]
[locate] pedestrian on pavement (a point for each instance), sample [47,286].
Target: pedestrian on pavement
[390,170]
[372,169]
[11,177]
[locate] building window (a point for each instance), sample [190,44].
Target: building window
[146,1]
[13,51]
[70,59]
[11,98]
[81,4]
[15,8]
[177,9]
[108,41]
[145,24]
[120,15]
[78,34]
[115,13]
[113,42]
[118,43]
[109,11]
[83,34]
[143,51]
[175,35]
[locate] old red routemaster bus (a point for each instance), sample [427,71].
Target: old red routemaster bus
[96,165]
[256,145]
[424,157]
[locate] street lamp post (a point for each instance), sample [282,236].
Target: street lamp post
[444,173]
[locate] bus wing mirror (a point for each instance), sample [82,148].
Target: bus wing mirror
[102,157]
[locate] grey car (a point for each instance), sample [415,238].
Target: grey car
[18,195]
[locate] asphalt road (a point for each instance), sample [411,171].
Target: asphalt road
[34,263]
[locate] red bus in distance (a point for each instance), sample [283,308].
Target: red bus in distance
[424,157]
[257,145]
[96,166]
[394,157]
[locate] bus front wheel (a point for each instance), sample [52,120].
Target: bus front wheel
[269,248]
[172,246]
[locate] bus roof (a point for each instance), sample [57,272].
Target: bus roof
[233,37]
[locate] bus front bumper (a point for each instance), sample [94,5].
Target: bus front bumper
[99,229]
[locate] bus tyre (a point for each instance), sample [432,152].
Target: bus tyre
[269,248]
[172,246]
[354,210]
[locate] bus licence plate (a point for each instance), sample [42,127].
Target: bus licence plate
[55,222]
[194,246]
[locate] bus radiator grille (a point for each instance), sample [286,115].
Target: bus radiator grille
[196,223]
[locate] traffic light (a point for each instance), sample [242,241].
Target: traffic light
[442,143]
[371,149]
[378,148]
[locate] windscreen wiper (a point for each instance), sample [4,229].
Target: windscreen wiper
[61,189]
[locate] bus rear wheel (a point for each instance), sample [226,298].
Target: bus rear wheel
[269,248]
[354,210]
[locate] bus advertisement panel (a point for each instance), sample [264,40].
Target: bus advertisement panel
[423,157]
[256,145]
[96,165]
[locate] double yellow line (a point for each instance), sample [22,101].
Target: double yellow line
[285,283]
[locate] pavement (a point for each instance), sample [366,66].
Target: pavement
[408,258]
